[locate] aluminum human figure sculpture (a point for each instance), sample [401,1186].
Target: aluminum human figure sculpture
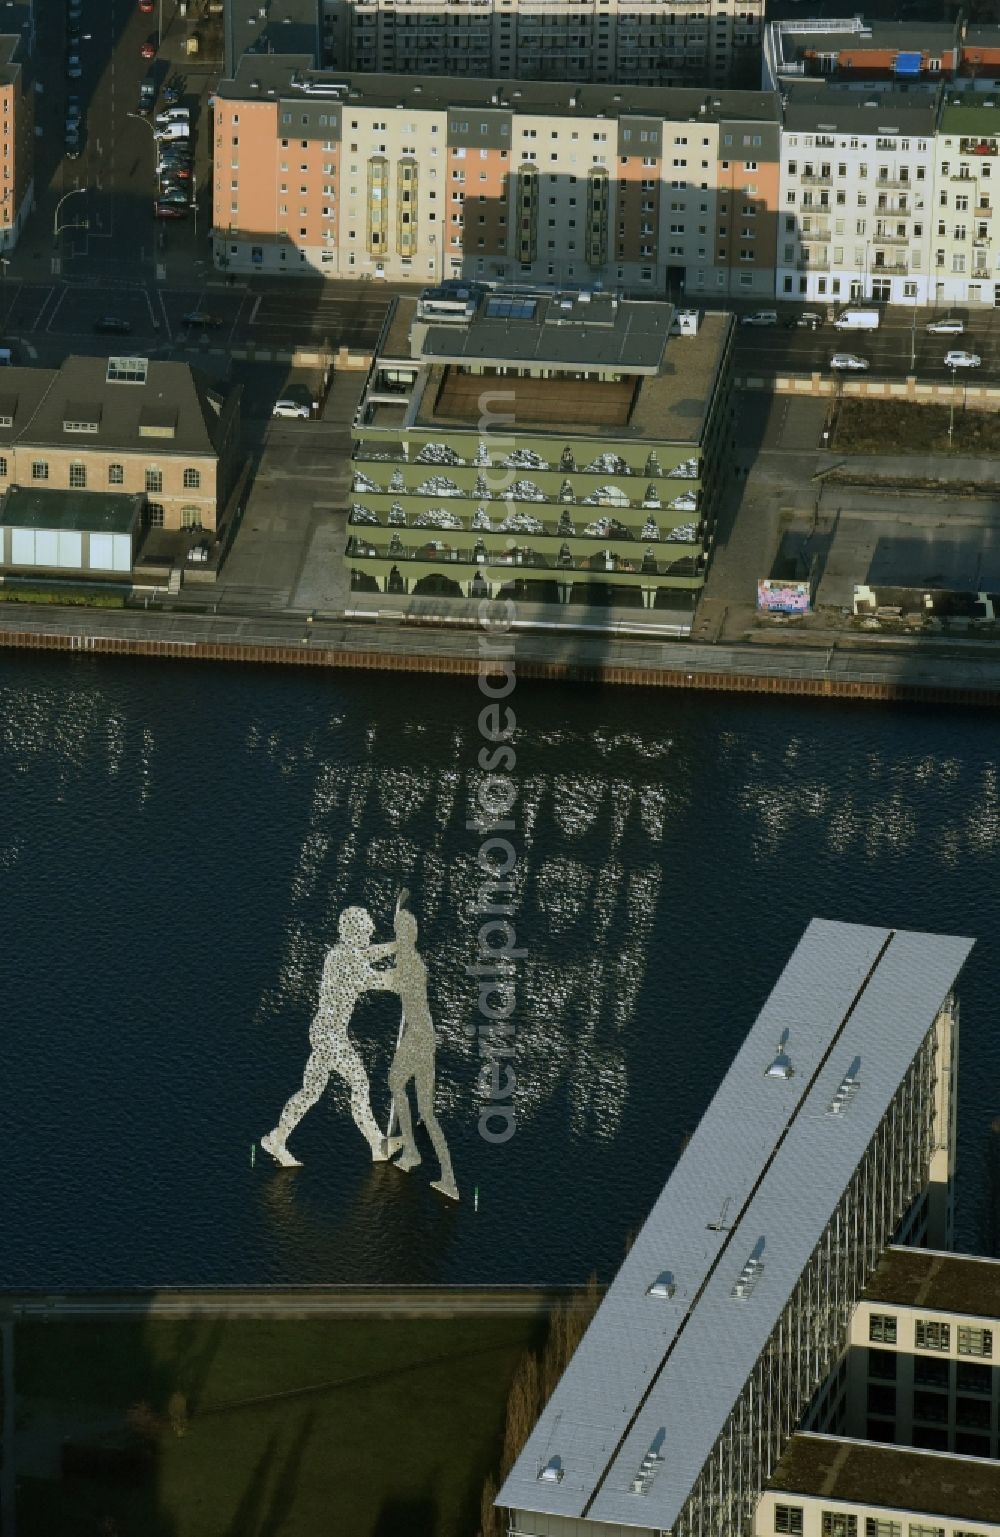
[348,971]
[415,1055]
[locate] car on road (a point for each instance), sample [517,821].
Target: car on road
[75,10]
[74,69]
[73,109]
[113,325]
[949,326]
[760,318]
[293,408]
[164,210]
[74,37]
[148,50]
[849,362]
[962,360]
[146,7]
[809,319]
[201,320]
[71,144]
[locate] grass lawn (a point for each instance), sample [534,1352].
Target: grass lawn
[896,426]
[385,1427]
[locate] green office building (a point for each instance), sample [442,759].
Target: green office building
[562,447]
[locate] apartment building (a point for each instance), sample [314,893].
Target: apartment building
[425,179]
[17,114]
[859,55]
[832,1132]
[625,42]
[857,197]
[120,426]
[965,242]
[555,443]
[828,1486]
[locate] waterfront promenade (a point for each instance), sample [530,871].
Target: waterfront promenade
[834,665]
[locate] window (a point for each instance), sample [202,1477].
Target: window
[116,474]
[788,1519]
[154,480]
[39,469]
[931,1335]
[974,1342]
[874,1528]
[918,1529]
[882,1328]
[3,466]
[836,1523]
[882,1364]
[78,476]
[155,511]
[192,480]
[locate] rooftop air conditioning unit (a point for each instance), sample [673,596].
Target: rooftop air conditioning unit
[255,85]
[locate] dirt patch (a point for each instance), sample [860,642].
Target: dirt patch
[899,426]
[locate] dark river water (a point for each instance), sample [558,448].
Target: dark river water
[178,841]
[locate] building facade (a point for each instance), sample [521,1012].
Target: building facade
[425,180]
[966,246]
[123,425]
[625,42]
[857,197]
[685,1394]
[17,115]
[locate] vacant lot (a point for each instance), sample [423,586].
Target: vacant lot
[895,426]
[368,1427]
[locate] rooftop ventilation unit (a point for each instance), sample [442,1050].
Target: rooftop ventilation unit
[650,1464]
[751,1273]
[663,1286]
[572,101]
[552,1473]
[781,1067]
[255,85]
[849,1085]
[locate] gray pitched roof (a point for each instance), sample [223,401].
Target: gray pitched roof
[771,1165]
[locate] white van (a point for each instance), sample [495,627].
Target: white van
[173,131]
[857,320]
[173,115]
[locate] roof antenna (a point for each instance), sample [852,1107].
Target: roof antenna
[722,1226]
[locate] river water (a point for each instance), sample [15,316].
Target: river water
[176,846]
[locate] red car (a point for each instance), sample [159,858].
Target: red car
[170,211]
[146,7]
[149,50]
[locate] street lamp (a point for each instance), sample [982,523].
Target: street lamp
[951,418]
[76,192]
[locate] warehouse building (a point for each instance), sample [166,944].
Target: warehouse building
[560,442]
[125,426]
[831,1135]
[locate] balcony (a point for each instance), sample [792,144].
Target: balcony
[881,239]
[902,185]
[981,242]
[816,181]
[879,268]
[984,211]
[499,563]
[977,146]
[962,176]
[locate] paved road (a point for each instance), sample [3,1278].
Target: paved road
[896,349]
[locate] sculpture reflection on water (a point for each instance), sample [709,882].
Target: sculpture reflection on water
[353,966]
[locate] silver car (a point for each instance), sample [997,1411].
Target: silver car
[849,362]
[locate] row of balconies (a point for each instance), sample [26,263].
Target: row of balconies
[438,552]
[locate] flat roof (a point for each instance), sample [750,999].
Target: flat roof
[287,27]
[936,1279]
[974,112]
[813,105]
[97,512]
[768,1164]
[557,331]
[560,98]
[890,1477]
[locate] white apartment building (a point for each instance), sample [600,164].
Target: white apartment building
[965,244]
[628,42]
[856,198]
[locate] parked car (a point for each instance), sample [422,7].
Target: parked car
[857,320]
[74,37]
[201,320]
[849,362]
[148,50]
[178,168]
[760,318]
[962,360]
[177,196]
[808,318]
[162,210]
[172,92]
[294,408]
[71,144]
[113,325]
[74,68]
[173,115]
[173,131]
[146,7]
[949,326]
[73,109]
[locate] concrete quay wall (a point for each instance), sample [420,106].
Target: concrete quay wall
[902,673]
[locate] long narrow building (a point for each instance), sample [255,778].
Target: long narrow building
[831,1135]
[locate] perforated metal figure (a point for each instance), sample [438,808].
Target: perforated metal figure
[415,1055]
[348,971]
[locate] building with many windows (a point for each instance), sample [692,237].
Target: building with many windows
[123,426]
[428,179]
[856,196]
[831,1136]
[558,444]
[965,244]
[17,114]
